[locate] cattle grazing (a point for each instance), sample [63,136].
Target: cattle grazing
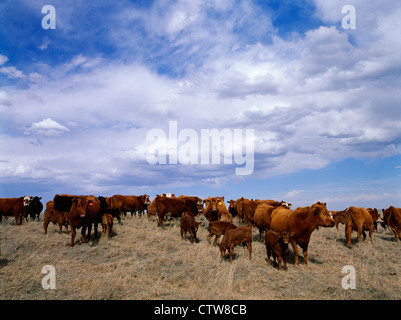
[54,216]
[188,224]
[217,229]
[216,210]
[34,208]
[277,243]
[234,237]
[14,207]
[360,220]
[107,224]
[392,218]
[302,221]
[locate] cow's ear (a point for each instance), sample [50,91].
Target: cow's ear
[75,200]
[40,198]
[316,211]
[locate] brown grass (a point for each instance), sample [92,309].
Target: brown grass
[143,261]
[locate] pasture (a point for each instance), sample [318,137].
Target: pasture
[143,261]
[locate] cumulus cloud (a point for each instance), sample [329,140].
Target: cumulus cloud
[47,127]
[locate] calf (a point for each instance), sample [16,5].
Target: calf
[107,224]
[217,229]
[188,224]
[54,216]
[278,244]
[358,219]
[233,237]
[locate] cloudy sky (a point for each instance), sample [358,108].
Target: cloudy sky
[77,101]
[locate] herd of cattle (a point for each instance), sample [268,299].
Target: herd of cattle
[280,224]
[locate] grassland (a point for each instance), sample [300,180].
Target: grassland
[143,261]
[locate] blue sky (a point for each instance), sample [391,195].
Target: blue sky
[77,102]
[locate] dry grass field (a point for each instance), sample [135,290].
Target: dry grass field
[143,261]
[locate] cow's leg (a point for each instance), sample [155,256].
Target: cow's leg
[295,250]
[83,237]
[348,231]
[249,245]
[73,234]
[45,225]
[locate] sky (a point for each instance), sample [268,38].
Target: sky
[78,102]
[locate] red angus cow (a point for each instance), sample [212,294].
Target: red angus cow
[54,216]
[216,210]
[129,203]
[278,244]
[392,218]
[360,220]
[217,229]
[302,221]
[188,224]
[13,207]
[175,206]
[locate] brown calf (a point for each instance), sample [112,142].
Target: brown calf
[107,224]
[54,216]
[360,220]
[278,244]
[217,229]
[233,237]
[188,224]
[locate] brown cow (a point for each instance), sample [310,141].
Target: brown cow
[82,212]
[217,229]
[54,216]
[188,224]
[175,206]
[375,216]
[14,207]
[216,210]
[360,220]
[392,218]
[107,224]
[302,221]
[129,203]
[278,244]
[233,237]
[339,217]
[248,207]
[262,215]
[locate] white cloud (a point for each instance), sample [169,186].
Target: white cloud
[47,127]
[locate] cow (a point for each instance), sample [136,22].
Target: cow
[278,244]
[175,206]
[374,213]
[358,219]
[263,211]
[248,207]
[14,207]
[34,208]
[392,218]
[302,221]
[339,217]
[83,211]
[54,216]
[107,224]
[233,237]
[129,203]
[217,229]
[216,210]
[188,224]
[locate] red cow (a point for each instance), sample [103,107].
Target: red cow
[392,218]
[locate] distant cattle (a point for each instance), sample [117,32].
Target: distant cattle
[107,224]
[392,218]
[277,243]
[175,206]
[234,237]
[54,216]
[188,224]
[34,208]
[131,204]
[339,217]
[360,220]
[14,207]
[217,229]
[216,210]
[302,221]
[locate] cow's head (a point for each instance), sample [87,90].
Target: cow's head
[286,204]
[26,200]
[322,216]
[81,205]
[147,199]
